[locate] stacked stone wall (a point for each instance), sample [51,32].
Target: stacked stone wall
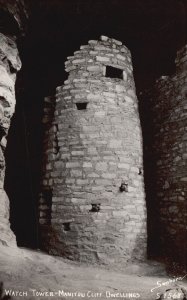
[93,171]
[169,151]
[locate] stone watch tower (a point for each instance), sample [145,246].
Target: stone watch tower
[92,204]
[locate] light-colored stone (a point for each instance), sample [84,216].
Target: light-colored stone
[100,147]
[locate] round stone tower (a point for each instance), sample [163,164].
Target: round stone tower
[92,204]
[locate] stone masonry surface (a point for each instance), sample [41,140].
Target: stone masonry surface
[169,112]
[92,202]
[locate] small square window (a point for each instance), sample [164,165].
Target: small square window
[81,105]
[114,72]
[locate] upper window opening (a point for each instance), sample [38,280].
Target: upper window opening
[114,72]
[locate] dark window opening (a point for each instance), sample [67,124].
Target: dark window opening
[67,226]
[95,207]
[81,105]
[114,72]
[124,187]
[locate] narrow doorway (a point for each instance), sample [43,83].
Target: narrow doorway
[20,180]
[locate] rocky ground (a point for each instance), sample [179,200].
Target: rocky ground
[30,273]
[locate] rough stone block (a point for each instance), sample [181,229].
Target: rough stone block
[72,164]
[102,59]
[101,166]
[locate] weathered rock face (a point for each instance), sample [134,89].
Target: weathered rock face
[9,65]
[169,152]
[92,205]
[13,17]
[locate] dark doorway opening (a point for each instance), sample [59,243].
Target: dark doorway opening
[23,173]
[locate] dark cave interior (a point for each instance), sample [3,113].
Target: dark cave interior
[152,29]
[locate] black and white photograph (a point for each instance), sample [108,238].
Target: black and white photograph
[93,149]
